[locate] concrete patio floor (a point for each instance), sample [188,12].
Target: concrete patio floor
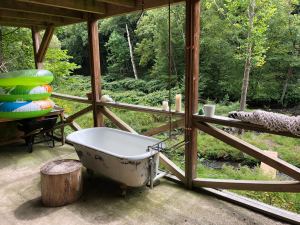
[167,203]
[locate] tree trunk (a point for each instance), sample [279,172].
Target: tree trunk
[285,85]
[131,54]
[174,69]
[1,51]
[245,85]
[61,182]
[247,68]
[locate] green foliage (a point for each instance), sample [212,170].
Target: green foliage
[57,61]
[118,53]
[16,51]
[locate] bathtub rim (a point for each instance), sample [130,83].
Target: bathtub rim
[142,156]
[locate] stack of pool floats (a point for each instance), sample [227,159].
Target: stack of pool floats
[25,94]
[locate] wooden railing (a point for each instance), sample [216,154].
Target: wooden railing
[202,123]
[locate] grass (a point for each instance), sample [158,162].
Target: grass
[209,148]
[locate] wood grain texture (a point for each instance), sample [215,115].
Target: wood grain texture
[125,3]
[252,185]
[192,46]
[17,6]
[95,70]
[36,40]
[79,113]
[90,6]
[172,167]
[37,17]
[71,98]
[61,182]
[45,43]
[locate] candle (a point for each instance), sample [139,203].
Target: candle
[178,103]
[165,105]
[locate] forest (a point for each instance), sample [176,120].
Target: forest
[249,58]
[229,43]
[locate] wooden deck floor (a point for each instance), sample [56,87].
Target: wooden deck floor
[167,203]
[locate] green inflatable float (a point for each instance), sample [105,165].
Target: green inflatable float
[25,93]
[26,77]
[25,109]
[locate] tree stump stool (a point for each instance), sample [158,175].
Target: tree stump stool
[61,182]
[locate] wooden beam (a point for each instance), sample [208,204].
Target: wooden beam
[230,122]
[112,10]
[251,150]
[257,206]
[191,86]
[165,127]
[251,185]
[37,17]
[245,202]
[40,9]
[36,40]
[95,70]
[79,113]
[71,98]
[90,6]
[45,43]
[125,3]
[140,108]
[21,22]
[172,167]
[75,126]
[116,120]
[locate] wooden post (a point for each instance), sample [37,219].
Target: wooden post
[191,87]
[45,43]
[36,40]
[40,47]
[95,70]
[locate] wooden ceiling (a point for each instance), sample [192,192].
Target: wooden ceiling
[42,13]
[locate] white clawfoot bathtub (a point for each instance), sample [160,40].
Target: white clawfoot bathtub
[118,155]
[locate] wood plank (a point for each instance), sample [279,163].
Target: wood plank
[13,22]
[118,105]
[125,3]
[90,6]
[140,108]
[156,130]
[41,9]
[230,122]
[251,185]
[243,201]
[71,98]
[192,50]
[79,113]
[268,170]
[116,120]
[172,167]
[257,206]
[112,10]
[125,106]
[37,17]
[36,40]
[95,70]
[45,43]
[251,150]
[75,126]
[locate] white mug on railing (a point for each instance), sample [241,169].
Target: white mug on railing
[209,110]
